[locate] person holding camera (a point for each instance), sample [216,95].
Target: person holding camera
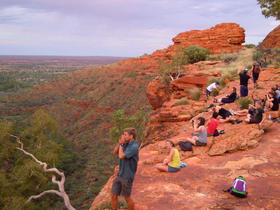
[200,136]
[272,103]
[127,151]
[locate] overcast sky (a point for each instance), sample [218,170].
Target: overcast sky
[116,27]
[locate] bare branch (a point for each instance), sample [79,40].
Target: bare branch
[60,182]
[44,193]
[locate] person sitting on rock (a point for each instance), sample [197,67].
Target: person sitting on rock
[277,93]
[211,87]
[213,125]
[228,99]
[255,114]
[272,102]
[226,115]
[172,162]
[200,133]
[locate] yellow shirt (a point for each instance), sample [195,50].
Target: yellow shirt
[175,162]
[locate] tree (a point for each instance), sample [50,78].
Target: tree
[270,8]
[183,56]
[22,177]
[174,69]
[121,121]
[55,174]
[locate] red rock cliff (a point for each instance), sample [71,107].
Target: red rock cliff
[272,40]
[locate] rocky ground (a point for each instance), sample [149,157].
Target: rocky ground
[246,150]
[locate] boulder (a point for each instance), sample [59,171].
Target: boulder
[222,38]
[157,93]
[272,40]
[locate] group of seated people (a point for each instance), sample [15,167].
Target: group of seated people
[221,115]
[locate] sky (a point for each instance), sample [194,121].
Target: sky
[117,27]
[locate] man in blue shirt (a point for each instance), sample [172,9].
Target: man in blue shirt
[127,151]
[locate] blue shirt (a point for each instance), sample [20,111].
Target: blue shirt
[128,165]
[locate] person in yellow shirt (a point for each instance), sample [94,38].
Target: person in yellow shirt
[172,162]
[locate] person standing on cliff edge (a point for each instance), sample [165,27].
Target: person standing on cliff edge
[127,151]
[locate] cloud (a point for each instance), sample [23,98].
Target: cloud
[116,27]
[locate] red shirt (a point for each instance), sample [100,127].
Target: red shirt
[212,126]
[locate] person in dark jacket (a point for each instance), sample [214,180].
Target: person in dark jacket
[256,69]
[229,98]
[244,78]
[255,114]
[272,102]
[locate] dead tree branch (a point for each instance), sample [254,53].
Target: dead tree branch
[61,192]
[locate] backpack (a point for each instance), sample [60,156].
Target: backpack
[238,188]
[185,146]
[256,68]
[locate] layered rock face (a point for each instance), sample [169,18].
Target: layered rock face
[222,38]
[272,40]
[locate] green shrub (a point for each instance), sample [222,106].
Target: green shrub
[250,46]
[195,93]
[107,205]
[244,102]
[258,55]
[195,54]
[214,57]
[228,58]
[174,68]
[131,74]
[181,101]
[165,69]
[229,74]
[122,121]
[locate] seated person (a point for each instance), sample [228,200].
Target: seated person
[228,99]
[200,136]
[277,93]
[172,162]
[255,114]
[213,125]
[226,115]
[272,102]
[211,87]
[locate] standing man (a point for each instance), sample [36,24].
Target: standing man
[127,151]
[256,69]
[244,77]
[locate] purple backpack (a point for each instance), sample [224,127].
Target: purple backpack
[239,187]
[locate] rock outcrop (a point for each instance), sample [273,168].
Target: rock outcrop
[222,38]
[157,93]
[272,40]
